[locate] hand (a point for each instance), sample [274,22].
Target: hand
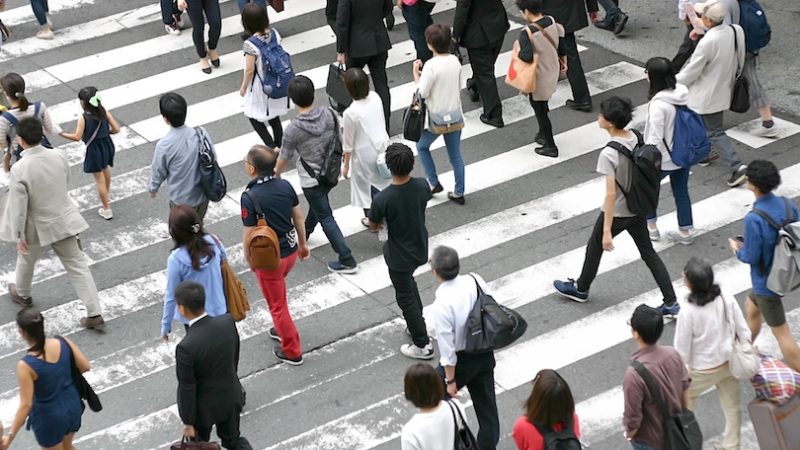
[608,241]
[594,16]
[562,67]
[182,5]
[346,171]
[188,431]
[6,443]
[417,65]
[452,390]
[165,337]
[304,251]
[22,247]
[734,245]
[153,194]
[694,34]
[340,58]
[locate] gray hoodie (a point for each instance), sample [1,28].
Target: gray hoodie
[308,135]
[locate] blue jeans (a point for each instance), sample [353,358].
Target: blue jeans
[679,180]
[169,8]
[418,18]
[320,212]
[640,446]
[611,9]
[453,143]
[244,2]
[40,9]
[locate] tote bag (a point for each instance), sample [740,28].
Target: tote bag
[338,97]
[522,75]
[743,360]
[414,118]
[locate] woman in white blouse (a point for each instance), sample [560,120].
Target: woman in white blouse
[703,339]
[433,427]
[364,138]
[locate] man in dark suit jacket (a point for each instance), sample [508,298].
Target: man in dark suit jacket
[362,40]
[572,15]
[480,26]
[207,359]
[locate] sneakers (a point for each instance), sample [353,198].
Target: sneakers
[278,352]
[654,234]
[738,177]
[670,311]
[338,267]
[680,238]
[273,333]
[46,33]
[712,155]
[619,26]
[172,29]
[106,213]
[18,299]
[412,351]
[569,289]
[771,132]
[95,322]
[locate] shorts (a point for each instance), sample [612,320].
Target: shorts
[771,308]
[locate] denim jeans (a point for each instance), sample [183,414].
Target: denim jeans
[640,446]
[679,180]
[258,2]
[611,9]
[418,18]
[320,212]
[453,143]
[40,10]
[168,10]
[720,140]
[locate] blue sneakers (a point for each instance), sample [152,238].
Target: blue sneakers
[669,310]
[570,290]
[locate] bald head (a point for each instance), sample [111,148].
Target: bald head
[263,159]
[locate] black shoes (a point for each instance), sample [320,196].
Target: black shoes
[738,177]
[619,27]
[585,107]
[18,299]
[497,123]
[603,25]
[278,351]
[438,188]
[473,92]
[273,333]
[551,152]
[457,199]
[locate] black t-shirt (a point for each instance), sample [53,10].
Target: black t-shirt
[277,199]
[403,209]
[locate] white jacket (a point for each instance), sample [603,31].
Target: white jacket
[711,71]
[660,124]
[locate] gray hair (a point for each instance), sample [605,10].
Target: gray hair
[445,262]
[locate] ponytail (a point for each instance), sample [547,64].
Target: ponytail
[14,86]
[91,103]
[31,322]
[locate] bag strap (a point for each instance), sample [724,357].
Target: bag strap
[259,214]
[36,107]
[71,354]
[94,135]
[736,51]
[478,285]
[655,392]
[761,213]
[541,30]
[455,421]
[305,165]
[12,120]
[461,417]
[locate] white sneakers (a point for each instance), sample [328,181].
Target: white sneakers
[172,29]
[45,33]
[412,351]
[105,213]
[771,132]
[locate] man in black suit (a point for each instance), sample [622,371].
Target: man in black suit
[207,359]
[480,26]
[362,40]
[572,15]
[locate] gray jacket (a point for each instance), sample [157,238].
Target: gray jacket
[308,135]
[176,161]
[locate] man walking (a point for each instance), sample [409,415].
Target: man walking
[309,136]
[206,363]
[480,26]
[40,213]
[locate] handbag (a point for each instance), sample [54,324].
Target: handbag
[463,439]
[191,444]
[235,293]
[522,75]
[443,123]
[85,391]
[5,33]
[490,325]
[277,5]
[414,118]
[743,361]
[338,97]
[775,381]
[383,169]
[740,100]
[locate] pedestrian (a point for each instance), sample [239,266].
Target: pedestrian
[309,136]
[548,45]
[196,256]
[550,407]
[48,398]
[418,18]
[171,16]
[571,14]
[436,84]
[455,298]
[480,27]
[614,19]
[433,426]
[666,95]
[206,365]
[243,3]
[260,108]
[362,40]
[401,209]
[13,86]
[756,248]
[199,12]
[40,213]
[615,217]
[689,12]
[703,339]
[643,421]
[95,127]
[176,159]
[5,33]
[276,197]
[363,139]
[332,6]
[709,75]
[41,10]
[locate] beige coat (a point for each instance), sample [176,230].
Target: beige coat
[548,66]
[38,207]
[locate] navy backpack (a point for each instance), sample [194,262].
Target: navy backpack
[277,66]
[690,143]
[753,21]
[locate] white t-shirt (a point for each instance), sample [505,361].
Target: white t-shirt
[431,431]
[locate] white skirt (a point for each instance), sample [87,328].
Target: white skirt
[262,108]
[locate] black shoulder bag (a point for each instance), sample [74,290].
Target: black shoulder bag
[463,437]
[331,168]
[85,391]
[740,100]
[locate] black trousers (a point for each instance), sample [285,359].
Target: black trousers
[407,295]
[637,228]
[482,60]
[577,79]
[541,109]
[228,432]
[197,9]
[476,372]
[380,81]
[684,51]
[270,140]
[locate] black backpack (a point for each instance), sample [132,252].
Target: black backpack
[492,326]
[331,168]
[212,179]
[645,175]
[559,440]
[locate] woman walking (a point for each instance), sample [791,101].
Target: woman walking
[665,95]
[41,10]
[196,256]
[433,427]
[549,407]
[540,42]
[703,339]
[47,396]
[364,138]
[258,106]
[199,12]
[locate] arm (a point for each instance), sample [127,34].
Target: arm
[694,67]
[343,16]
[187,386]
[173,280]
[446,338]
[750,252]
[300,226]
[742,330]
[48,125]
[79,127]
[81,361]
[158,170]
[113,125]
[280,166]
[248,73]
[424,80]
[633,391]
[683,337]
[349,127]
[245,231]
[18,204]
[656,123]
[460,19]
[25,379]
[608,214]
[286,154]
[376,215]
[525,46]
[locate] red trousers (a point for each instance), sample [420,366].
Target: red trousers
[273,286]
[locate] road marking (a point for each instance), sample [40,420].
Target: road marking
[742,132]
[23,14]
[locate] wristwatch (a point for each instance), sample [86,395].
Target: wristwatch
[449,382]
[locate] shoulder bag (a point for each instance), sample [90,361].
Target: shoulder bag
[743,360]
[331,167]
[235,293]
[338,97]
[85,391]
[490,325]
[522,75]
[462,436]
[414,118]
[740,100]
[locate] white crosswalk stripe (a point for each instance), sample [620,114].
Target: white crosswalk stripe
[525,223]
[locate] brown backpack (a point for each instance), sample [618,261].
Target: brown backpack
[262,243]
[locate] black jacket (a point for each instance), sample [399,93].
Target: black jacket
[207,360]
[570,13]
[360,28]
[479,23]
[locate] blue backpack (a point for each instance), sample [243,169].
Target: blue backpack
[690,143]
[12,131]
[277,66]
[753,21]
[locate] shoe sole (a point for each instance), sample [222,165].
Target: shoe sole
[274,337]
[422,357]
[289,361]
[572,297]
[345,271]
[704,164]
[737,182]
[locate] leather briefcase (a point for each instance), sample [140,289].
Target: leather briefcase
[338,96]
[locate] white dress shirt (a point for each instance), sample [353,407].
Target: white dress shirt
[193,321]
[454,301]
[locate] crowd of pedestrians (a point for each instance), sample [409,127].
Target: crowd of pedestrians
[699,80]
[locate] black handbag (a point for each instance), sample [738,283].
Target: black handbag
[414,118]
[740,100]
[192,444]
[490,325]
[338,97]
[463,438]
[85,391]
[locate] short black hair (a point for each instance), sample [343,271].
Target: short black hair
[648,322]
[439,37]
[399,159]
[191,296]
[173,108]
[357,83]
[422,385]
[618,111]
[254,18]
[445,262]
[301,91]
[30,130]
[263,159]
[763,175]
[660,74]
[532,6]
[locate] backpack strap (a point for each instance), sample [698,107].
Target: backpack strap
[96,130]
[259,213]
[9,117]
[652,386]
[761,213]
[547,36]
[37,106]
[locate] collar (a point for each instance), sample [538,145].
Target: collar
[196,319]
[764,198]
[644,351]
[34,149]
[259,180]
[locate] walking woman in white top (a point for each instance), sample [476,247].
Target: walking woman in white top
[364,138]
[703,339]
[433,427]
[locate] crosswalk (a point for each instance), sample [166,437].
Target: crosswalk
[526,222]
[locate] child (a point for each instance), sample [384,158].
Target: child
[94,128]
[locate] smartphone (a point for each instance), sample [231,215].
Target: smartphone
[740,239]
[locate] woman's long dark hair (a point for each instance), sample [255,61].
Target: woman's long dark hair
[97,112]
[31,322]
[14,86]
[186,231]
[550,401]
[661,76]
[700,276]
